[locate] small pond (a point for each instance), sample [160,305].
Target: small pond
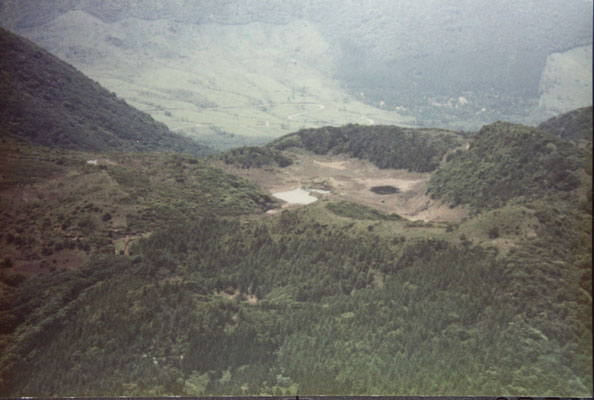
[299,195]
[384,189]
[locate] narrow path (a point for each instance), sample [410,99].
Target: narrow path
[253,129]
[292,116]
[186,127]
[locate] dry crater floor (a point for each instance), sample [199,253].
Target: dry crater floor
[352,179]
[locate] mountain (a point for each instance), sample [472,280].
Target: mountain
[575,125]
[334,297]
[214,70]
[47,101]
[430,262]
[507,161]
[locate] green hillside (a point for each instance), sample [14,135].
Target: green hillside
[47,101]
[148,273]
[507,161]
[310,303]
[61,207]
[419,150]
[575,125]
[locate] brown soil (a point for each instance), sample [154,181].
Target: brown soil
[352,179]
[247,298]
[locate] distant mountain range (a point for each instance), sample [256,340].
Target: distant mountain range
[240,68]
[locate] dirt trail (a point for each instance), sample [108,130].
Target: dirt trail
[186,127]
[320,108]
[339,165]
[254,129]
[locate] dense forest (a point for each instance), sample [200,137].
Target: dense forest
[507,161]
[419,150]
[308,303]
[331,298]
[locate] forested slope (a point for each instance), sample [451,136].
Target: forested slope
[419,150]
[309,303]
[574,125]
[60,207]
[507,161]
[47,101]
[331,298]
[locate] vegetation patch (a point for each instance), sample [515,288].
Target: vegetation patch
[508,161]
[57,210]
[419,150]
[358,211]
[255,157]
[575,125]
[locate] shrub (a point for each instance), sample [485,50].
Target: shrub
[6,263]
[493,232]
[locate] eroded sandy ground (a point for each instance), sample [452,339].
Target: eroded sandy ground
[351,179]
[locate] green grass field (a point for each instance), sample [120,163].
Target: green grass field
[207,79]
[213,106]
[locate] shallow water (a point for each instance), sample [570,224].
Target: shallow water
[299,195]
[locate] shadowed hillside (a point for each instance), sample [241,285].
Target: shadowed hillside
[47,101]
[575,125]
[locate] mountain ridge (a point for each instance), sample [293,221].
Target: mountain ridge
[47,101]
[575,125]
[505,161]
[372,51]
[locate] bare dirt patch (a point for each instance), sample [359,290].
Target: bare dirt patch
[352,179]
[122,245]
[247,298]
[339,165]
